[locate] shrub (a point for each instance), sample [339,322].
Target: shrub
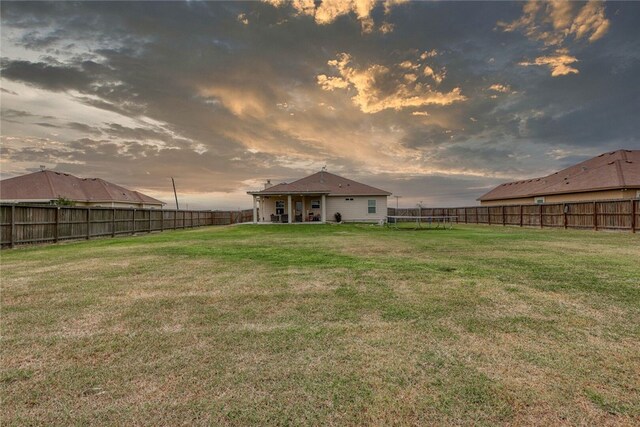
[338,217]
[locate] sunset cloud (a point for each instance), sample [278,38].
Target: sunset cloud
[497,87]
[553,23]
[222,95]
[559,63]
[327,11]
[378,87]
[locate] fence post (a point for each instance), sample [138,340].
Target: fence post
[133,222]
[161,219]
[88,223]
[477,217]
[504,219]
[56,231]
[541,216]
[113,222]
[489,215]
[565,208]
[595,216]
[13,226]
[149,220]
[633,216]
[521,214]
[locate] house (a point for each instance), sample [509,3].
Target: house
[609,176]
[317,198]
[46,186]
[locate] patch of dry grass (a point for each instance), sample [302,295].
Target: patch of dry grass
[309,325]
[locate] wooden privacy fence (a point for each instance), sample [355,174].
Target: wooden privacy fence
[598,215]
[24,224]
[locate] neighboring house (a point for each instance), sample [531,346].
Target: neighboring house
[319,197]
[45,187]
[609,176]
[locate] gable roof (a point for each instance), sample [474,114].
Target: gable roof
[50,185]
[324,183]
[608,171]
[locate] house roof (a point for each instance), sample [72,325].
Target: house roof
[608,171]
[323,183]
[50,185]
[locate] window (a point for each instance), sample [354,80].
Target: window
[315,204]
[539,200]
[371,206]
[638,194]
[279,207]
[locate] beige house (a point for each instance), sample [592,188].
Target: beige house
[609,176]
[317,198]
[46,186]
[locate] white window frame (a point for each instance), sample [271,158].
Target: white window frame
[374,206]
[280,205]
[315,204]
[538,200]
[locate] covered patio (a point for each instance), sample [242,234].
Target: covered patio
[289,207]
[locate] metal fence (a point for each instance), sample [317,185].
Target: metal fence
[28,224]
[598,215]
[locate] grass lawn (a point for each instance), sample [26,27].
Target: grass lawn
[324,324]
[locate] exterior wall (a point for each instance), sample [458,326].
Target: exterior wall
[356,209]
[570,197]
[267,207]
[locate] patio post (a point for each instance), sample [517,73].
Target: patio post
[324,208]
[255,209]
[289,208]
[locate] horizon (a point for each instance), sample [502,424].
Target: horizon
[435,102]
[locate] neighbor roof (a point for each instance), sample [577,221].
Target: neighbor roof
[324,183]
[608,171]
[50,185]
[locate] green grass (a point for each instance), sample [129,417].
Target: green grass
[316,325]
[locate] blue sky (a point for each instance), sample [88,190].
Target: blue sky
[434,101]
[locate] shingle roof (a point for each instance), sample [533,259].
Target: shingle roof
[324,182]
[50,185]
[608,171]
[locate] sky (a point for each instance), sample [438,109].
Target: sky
[436,102]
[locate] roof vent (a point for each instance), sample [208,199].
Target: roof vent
[584,168]
[610,163]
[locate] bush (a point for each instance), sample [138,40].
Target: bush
[338,217]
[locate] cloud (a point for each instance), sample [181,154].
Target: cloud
[559,63]
[553,23]
[498,87]
[327,11]
[51,77]
[242,18]
[591,21]
[379,87]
